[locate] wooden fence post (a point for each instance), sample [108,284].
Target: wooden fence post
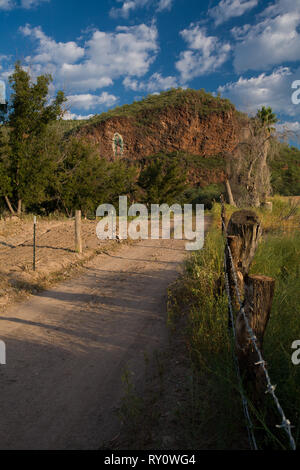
[268,206]
[243,234]
[34,243]
[223,214]
[259,293]
[78,240]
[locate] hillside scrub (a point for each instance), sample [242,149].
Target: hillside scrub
[285,171]
[145,111]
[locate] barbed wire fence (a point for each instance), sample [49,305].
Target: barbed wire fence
[285,423]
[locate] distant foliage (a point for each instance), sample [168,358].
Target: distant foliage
[207,195]
[285,171]
[162,180]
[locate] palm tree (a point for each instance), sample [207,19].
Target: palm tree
[267,117]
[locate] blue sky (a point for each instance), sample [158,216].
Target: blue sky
[110,52]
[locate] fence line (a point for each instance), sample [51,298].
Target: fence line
[249,423]
[285,424]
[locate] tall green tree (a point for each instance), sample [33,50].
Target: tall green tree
[83,180]
[25,166]
[162,181]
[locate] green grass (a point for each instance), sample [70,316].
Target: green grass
[194,296]
[278,256]
[197,299]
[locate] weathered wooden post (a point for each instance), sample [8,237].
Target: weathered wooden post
[244,232]
[223,214]
[268,206]
[34,242]
[78,240]
[259,293]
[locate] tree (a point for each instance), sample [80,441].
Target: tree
[83,180]
[162,181]
[247,166]
[26,167]
[5,181]
[267,117]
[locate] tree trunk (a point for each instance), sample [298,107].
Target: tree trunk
[229,193]
[19,212]
[10,207]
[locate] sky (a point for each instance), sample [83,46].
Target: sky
[110,52]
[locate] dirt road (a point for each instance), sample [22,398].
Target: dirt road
[67,347]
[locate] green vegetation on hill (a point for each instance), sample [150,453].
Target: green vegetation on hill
[146,110]
[67,125]
[188,161]
[285,171]
[162,181]
[189,164]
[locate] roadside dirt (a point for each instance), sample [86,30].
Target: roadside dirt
[68,347]
[55,255]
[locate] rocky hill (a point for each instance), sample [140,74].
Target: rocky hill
[192,122]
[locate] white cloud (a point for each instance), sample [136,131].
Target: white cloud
[155,83]
[76,117]
[6,4]
[27,4]
[274,40]
[279,7]
[164,5]
[31,3]
[287,126]
[288,131]
[205,54]
[130,5]
[274,90]
[88,101]
[227,9]
[129,51]
[49,51]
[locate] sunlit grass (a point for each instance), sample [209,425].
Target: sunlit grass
[197,297]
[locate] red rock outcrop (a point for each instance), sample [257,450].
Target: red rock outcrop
[173,130]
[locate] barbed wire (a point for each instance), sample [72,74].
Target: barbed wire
[249,424]
[285,424]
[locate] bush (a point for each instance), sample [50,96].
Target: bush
[207,195]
